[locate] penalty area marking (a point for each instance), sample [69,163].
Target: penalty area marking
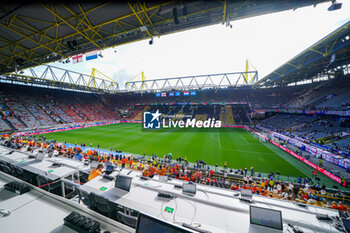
[219,140]
[244,139]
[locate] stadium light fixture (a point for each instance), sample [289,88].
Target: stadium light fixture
[335,6]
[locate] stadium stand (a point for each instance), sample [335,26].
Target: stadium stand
[302,191]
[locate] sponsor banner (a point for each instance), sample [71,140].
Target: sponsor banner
[309,112]
[65,128]
[191,103]
[314,166]
[318,152]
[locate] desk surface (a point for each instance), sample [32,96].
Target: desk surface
[37,212]
[45,168]
[216,210]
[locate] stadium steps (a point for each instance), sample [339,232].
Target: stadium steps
[306,98]
[201,117]
[45,110]
[67,115]
[55,114]
[9,124]
[22,122]
[228,115]
[15,116]
[138,116]
[246,111]
[30,112]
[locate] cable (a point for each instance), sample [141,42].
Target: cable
[308,223]
[8,212]
[195,210]
[4,213]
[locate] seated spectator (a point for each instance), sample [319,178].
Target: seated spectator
[78,156]
[334,206]
[96,172]
[342,207]
[108,162]
[152,170]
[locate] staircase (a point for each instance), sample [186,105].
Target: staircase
[20,120]
[228,116]
[46,111]
[201,117]
[246,112]
[138,116]
[9,124]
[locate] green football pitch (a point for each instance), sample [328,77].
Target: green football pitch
[236,146]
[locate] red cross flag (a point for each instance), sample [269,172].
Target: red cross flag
[77,58]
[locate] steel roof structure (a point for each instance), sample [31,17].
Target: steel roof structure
[323,57]
[215,81]
[37,33]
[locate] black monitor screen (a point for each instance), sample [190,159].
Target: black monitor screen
[266,217]
[346,224]
[123,182]
[147,224]
[189,188]
[109,168]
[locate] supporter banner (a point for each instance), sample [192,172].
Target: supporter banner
[91,55]
[314,166]
[318,152]
[77,58]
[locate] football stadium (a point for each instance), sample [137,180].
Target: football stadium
[149,117]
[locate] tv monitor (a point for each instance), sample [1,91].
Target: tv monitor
[163,178]
[346,224]
[109,169]
[148,224]
[123,182]
[246,193]
[39,157]
[266,217]
[189,188]
[94,164]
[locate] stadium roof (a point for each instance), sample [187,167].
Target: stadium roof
[37,33]
[326,54]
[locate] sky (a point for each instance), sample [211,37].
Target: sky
[267,41]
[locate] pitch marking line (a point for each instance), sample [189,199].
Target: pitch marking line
[244,139]
[219,140]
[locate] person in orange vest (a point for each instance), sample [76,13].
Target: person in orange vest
[96,172]
[152,170]
[123,162]
[130,162]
